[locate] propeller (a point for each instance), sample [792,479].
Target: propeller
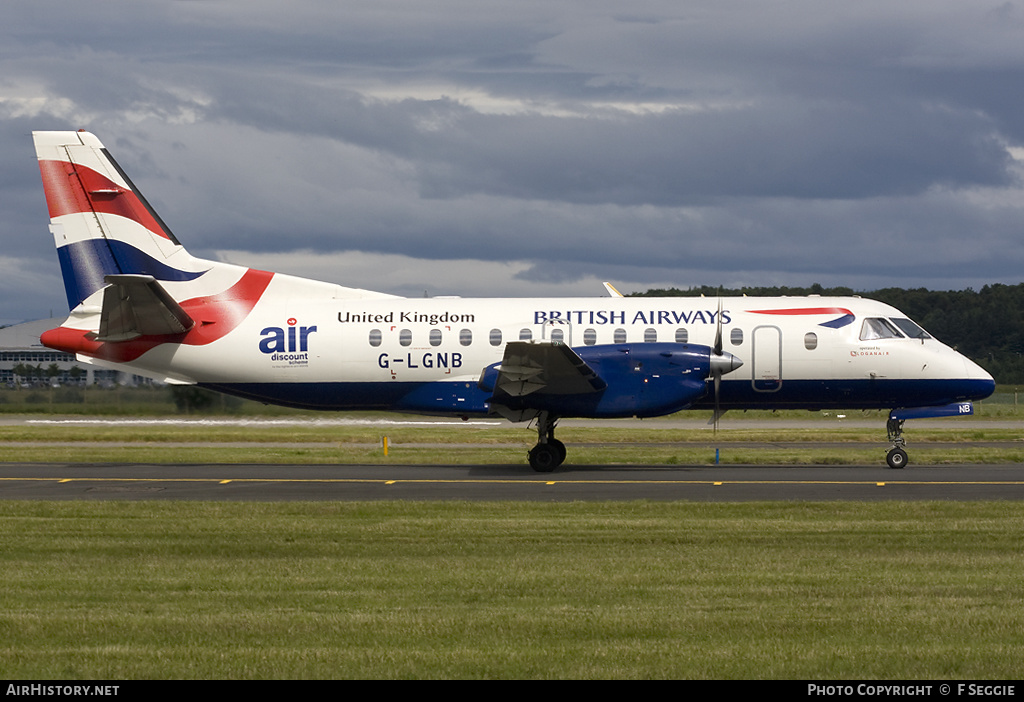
[717,354]
[721,363]
[718,326]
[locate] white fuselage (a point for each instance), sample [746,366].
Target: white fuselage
[368,351]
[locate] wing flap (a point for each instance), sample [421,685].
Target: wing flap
[545,368]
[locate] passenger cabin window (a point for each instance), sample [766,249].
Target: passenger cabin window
[650,336]
[878,328]
[910,328]
[620,336]
[435,337]
[405,337]
[736,336]
[465,337]
[590,337]
[557,335]
[375,337]
[525,335]
[495,337]
[810,341]
[682,336]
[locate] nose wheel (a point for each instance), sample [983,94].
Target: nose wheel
[897,456]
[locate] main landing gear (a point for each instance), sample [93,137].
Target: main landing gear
[897,456]
[549,453]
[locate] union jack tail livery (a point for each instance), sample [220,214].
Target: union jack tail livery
[139,302]
[101,224]
[131,286]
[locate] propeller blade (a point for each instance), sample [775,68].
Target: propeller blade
[718,329]
[718,383]
[721,363]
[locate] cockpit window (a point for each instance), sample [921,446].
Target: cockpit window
[910,328]
[878,328]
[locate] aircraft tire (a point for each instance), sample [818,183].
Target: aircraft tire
[896,458]
[544,458]
[560,447]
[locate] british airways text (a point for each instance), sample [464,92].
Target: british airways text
[597,317]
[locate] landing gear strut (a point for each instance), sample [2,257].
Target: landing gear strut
[897,457]
[549,453]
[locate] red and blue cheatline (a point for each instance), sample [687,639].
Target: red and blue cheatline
[845,316]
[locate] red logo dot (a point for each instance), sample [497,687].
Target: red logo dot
[292,321]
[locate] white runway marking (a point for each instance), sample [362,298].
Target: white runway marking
[267,422]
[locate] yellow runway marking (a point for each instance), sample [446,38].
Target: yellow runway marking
[393,481]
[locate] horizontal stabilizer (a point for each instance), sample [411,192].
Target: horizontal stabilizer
[137,305]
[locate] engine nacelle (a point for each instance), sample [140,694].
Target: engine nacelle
[647,380]
[642,380]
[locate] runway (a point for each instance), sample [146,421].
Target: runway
[266,482]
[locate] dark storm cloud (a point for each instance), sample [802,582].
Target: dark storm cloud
[741,143]
[25,215]
[681,158]
[782,149]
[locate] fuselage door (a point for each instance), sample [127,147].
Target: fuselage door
[766,361]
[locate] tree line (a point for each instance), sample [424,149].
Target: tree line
[986,325]
[38,373]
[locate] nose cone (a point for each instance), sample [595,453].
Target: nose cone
[724,363]
[980,381]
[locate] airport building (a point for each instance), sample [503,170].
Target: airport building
[26,362]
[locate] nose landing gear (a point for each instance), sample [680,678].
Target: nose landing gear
[897,456]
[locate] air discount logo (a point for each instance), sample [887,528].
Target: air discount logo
[287,345]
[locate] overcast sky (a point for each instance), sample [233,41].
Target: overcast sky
[522,148]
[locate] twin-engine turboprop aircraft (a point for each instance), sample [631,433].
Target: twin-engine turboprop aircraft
[141,303]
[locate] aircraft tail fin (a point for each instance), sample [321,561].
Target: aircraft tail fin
[101,224]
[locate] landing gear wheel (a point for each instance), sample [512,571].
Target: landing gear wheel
[544,458]
[549,452]
[896,458]
[560,447]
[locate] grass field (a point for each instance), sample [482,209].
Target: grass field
[1007,402]
[953,442]
[136,590]
[511,590]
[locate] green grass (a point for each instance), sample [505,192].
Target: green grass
[144,590]
[1006,403]
[473,444]
[498,432]
[123,590]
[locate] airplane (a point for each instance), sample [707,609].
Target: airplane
[139,302]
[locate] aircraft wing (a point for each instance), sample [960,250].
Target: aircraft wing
[544,368]
[137,305]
